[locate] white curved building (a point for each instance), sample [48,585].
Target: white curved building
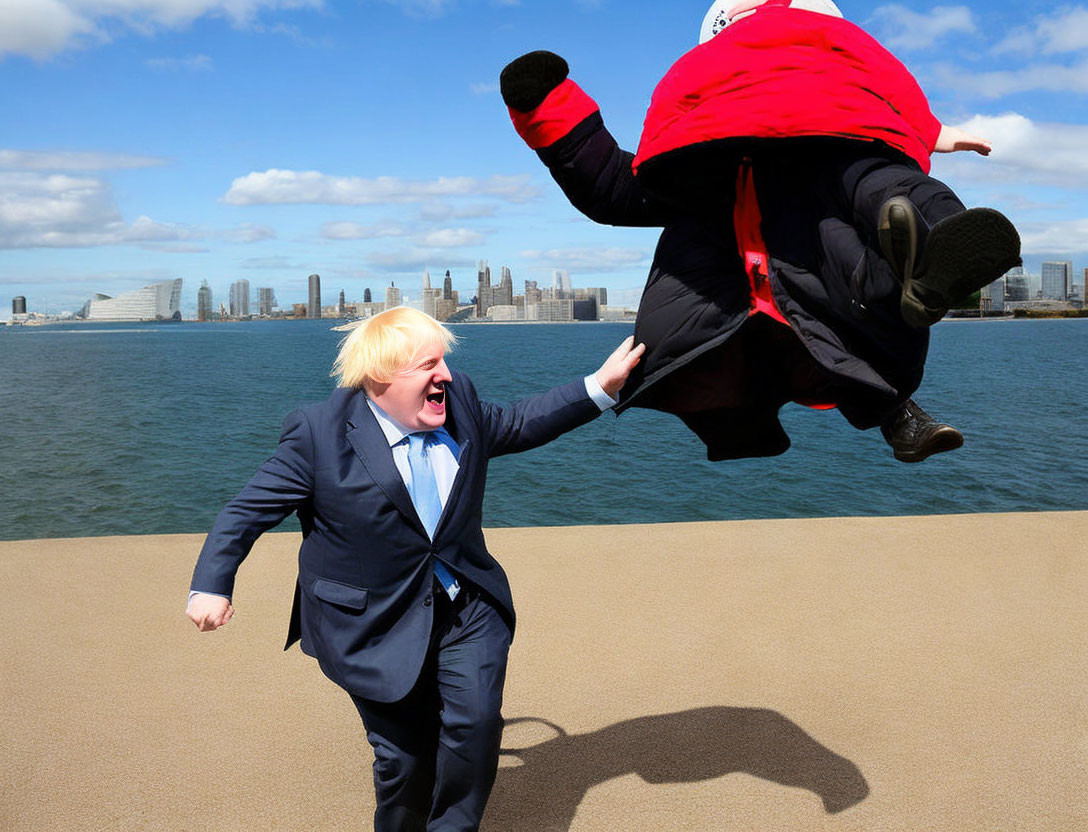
[157,302]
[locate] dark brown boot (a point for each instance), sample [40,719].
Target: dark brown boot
[915,435]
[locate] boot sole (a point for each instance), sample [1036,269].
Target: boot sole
[963,253]
[945,438]
[897,232]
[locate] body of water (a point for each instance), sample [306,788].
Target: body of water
[151,428]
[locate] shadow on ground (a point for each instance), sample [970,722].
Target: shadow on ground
[539,787]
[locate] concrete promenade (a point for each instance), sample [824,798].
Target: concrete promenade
[924,673]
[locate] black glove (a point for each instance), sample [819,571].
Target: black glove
[526,81]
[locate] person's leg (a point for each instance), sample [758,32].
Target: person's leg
[404,736]
[471,672]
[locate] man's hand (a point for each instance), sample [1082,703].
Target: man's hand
[743,8]
[209,612]
[618,366]
[952,139]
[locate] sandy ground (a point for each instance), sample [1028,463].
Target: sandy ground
[922,673]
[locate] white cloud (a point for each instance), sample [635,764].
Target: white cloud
[1069,237]
[358,231]
[1043,77]
[484,89]
[191,63]
[247,233]
[278,187]
[438,211]
[901,28]
[53,210]
[451,238]
[587,259]
[413,259]
[41,28]
[1025,153]
[73,160]
[1064,31]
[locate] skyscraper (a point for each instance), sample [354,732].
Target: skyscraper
[1057,279]
[366,296]
[484,295]
[313,307]
[504,292]
[392,296]
[18,306]
[239,299]
[204,302]
[561,284]
[341,306]
[1016,284]
[447,286]
[430,296]
[266,301]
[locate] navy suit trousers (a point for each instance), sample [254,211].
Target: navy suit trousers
[436,751]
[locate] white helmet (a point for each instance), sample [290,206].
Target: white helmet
[717,17]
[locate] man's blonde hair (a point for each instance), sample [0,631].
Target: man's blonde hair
[384,345]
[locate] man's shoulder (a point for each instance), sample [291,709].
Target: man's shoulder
[340,403]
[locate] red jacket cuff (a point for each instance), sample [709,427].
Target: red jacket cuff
[565,107]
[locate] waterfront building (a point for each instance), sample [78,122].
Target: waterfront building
[561,284]
[157,302]
[550,309]
[532,293]
[299,310]
[430,297]
[392,296]
[1057,280]
[504,293]
[368,308]
[266,302]
[1016,285]
[613,313]
[598,294]
[366,296]
[239,299]
[204,302]
[18,308]
[341,307]
[992,297]
[484,292]
[313,306]
[447,286]
[503,312]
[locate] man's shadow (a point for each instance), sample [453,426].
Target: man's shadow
[543,792]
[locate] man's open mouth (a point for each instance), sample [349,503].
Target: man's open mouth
[437,398]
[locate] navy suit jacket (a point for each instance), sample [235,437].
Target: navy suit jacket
[363,598]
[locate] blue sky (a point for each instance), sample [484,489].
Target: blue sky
[365,140]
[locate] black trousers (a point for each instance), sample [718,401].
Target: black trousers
[436,751]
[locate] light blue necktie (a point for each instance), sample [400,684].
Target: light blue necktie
[424,493]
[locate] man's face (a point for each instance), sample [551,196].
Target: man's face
[416,397]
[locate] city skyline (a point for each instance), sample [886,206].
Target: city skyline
[229,141]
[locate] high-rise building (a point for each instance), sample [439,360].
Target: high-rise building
[313,306]
[430,297]
[18,307]
[992,297]
[561,284]
[1016,285]
[550,310]
[532,293]
[484,293]
[266,301]
[239,299]
[503,294]
[392,296]
[447,286]
[1057,279]
[159,301]
[204,302]
[366,296]
[341,306]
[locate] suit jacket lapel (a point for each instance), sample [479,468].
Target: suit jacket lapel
[371,447]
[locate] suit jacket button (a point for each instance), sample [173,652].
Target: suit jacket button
[427,600]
